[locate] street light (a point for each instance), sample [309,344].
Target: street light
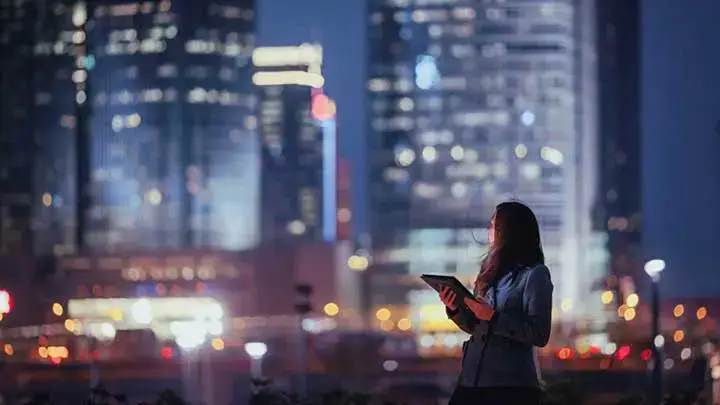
[654,268]
[256,351]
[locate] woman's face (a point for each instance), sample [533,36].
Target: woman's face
[491,231]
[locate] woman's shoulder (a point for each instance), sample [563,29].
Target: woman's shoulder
[538,271]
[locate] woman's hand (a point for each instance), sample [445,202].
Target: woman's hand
[480,309]
[447,295]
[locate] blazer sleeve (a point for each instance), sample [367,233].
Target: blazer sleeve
[532,324]
[465,320]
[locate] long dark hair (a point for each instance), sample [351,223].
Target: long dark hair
[517,243]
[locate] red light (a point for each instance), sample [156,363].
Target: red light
[166,352]
[646,354]
[6,302]
[594,350]
[565,353]
[322,107]
[623,352]
[55,360]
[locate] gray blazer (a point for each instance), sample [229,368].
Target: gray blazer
[500,352]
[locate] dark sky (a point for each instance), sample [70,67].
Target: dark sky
[681,142]
[680,119]
[338,25]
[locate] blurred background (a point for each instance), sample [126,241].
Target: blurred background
[195,193]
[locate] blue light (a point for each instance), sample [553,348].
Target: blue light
[427,75]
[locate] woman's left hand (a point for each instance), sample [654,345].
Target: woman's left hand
[481,309]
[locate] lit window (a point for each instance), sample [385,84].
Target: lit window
[429,154]
[378,85]
[427,74]
[457,152]
[551,155]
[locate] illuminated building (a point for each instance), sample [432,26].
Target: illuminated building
[145,108]
[472,104]
[298,143]
[620,191]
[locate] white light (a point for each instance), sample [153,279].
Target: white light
[686,353]
[117,123]
[390,365]
[308,325]
[457,152]
[296,227]
[530,171]
[459,189]
[659,341]
[256,350]
[107,331]
[297,77]
[188,335]
[303,55]
[406,104]
[426,341]
[668,364]
[528,118]
[715,373]
[450,340]
[609,348]
[80,97]
[427,74]
[429,154]
[215,311]
[79,15]
[405,157]
[79,76]
[141,311]
[521,150]
[654,267]
[551,155]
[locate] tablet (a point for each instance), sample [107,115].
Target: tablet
[437,281]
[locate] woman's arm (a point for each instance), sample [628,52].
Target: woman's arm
[462,318]
[532,325]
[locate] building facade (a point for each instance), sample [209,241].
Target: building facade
[145,110]
[471,104]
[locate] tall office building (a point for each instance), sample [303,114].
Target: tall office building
[145,110]
[619,199]
[298,143]
[473,103]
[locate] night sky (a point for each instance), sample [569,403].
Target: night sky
[681,142]
[680,119]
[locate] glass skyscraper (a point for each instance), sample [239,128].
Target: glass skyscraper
[160,93]
[472,103]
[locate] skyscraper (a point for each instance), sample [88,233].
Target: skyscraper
[298,143]
[471,104]
[619,199]
[155,100]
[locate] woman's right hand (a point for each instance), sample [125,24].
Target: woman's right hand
[447,295]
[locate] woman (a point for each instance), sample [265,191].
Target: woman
[510,315]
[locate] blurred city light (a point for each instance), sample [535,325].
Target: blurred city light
[678,336]
[358,263]
[654,267]
[404,324]
[686,353]
[383,314]
[8,349]
[256,350]
[331,309]
[606,297]
[679,310]
[141,311]
[57,309]
[659,341]
[701,313]
[632,300]
[623,352]
[629,314]
[390,365]
[217,344]
[6,302]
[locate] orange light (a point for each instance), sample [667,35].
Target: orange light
[621,310]
[382,314]
[387,325]
[9,349]
[679,310]
[217,344]
[57,309]
[42,352]
[629,314]
[404,324]
[606,297]
[679,335]
[323,108]
[701,313]
[564,353]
